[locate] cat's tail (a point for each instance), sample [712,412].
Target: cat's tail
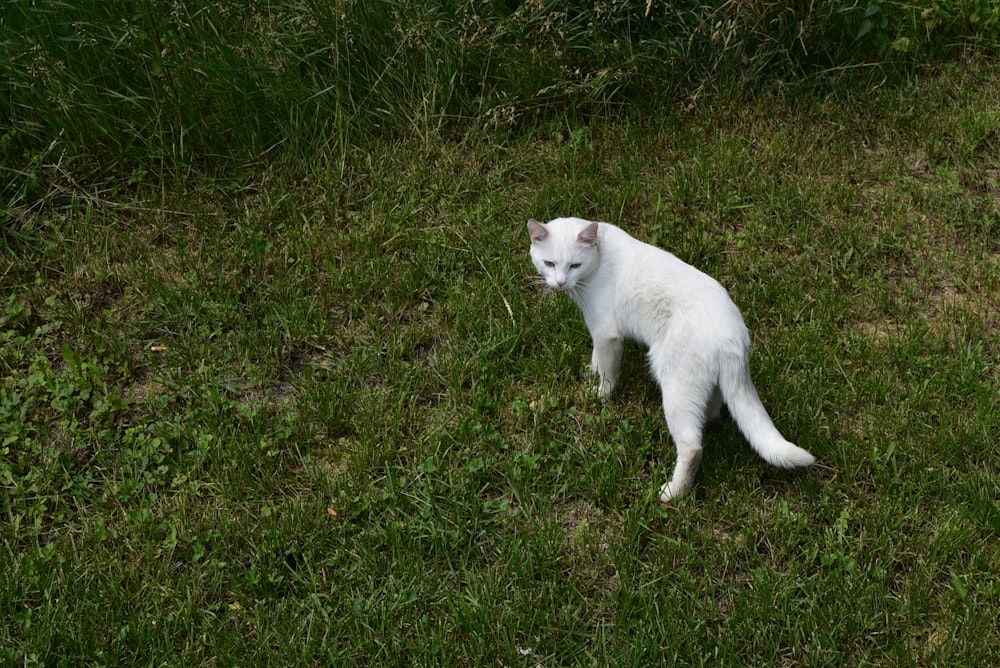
[750,415]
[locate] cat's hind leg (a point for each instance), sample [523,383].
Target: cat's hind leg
[685,420]
[688,461]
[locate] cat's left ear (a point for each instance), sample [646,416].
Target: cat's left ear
[537,231]
[588,237]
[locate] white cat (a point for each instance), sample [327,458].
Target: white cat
[699,348]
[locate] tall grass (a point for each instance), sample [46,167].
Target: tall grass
[114,89]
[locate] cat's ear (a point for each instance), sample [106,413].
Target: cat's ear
[537,231]
[588,237]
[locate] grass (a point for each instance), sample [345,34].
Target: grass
[315,413]
[93,93]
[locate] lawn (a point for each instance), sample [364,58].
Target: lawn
[318,412]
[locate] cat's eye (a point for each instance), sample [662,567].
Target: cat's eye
[550,264]
[575,265]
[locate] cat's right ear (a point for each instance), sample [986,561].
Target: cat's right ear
[588,237]
[537,231]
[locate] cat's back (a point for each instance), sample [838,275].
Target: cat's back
[650,281]
[635,258]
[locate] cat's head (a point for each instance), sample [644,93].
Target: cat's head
[565,251]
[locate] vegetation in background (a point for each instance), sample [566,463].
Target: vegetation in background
[117,89]
[276,387]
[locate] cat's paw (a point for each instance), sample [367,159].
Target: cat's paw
[603,390]
[595,392]
[669,492]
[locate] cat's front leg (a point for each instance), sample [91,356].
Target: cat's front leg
[606,363]
[594,370]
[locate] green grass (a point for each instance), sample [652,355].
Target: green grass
[99,92]
[316,412]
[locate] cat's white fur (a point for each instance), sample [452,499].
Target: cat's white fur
[699,348]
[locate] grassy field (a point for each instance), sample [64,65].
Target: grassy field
[293,412]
